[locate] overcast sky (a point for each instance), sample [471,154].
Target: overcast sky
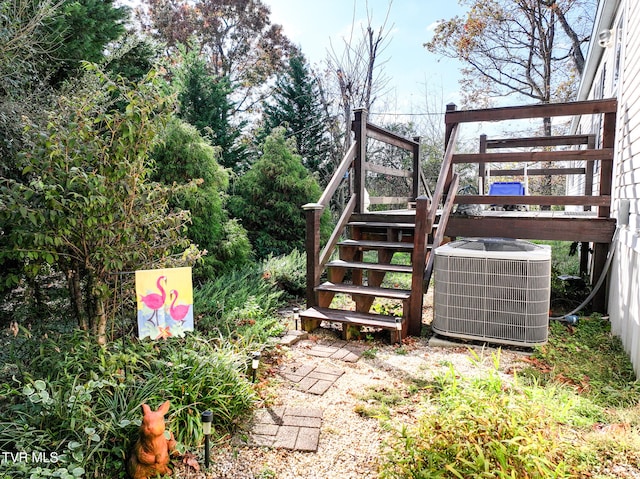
[316,25]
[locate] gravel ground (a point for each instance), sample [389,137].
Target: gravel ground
[351,446]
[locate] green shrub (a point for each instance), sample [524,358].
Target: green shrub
[288,272]
[240,305]
[182,156]
[269,197]
[195,375]
[488,428]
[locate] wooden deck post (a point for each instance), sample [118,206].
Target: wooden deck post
[600,250]
[588,191]
[447,135]
[418,261]
[482,167]
[313,212]
[416,169]
[360,130]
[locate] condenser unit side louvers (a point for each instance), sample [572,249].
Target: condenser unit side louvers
[493,289]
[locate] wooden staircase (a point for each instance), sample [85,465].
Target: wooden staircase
[366,244]
[363,281]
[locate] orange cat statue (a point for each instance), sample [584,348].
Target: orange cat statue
[150,454]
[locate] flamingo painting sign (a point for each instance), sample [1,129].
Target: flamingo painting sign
[165,302]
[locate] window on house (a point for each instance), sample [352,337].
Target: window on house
[618,54]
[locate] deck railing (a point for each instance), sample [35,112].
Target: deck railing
[597,192]
[353,169]
[602,153]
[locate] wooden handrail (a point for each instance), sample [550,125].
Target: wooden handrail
[425,185]
[338,176]
[546,110]
[390,200]
[538,172]
[386,136]
[602,200]
[426,212]
[559,140]
[444,169]
[603,154]
[385,170]
[442,226]
[337,231]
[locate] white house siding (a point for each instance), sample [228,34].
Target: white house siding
[624,303]
[624,278]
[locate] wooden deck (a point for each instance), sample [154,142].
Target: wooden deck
[582,226]
[541,225]
[428,218]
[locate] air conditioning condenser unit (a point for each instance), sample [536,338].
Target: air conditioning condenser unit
[493,289]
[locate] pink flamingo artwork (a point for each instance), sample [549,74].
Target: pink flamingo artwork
[155,301]
[179,312]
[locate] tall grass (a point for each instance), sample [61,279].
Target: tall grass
[487,428]
[239,306]
[590,359]
[572,414]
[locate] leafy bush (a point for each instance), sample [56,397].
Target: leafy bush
[195,375]
[287,272]
[182,156]
[84,204]
[61,393]
[240,305]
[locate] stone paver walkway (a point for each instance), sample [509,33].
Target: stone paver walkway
[338,349]
[298,428]
[311,378]
[287,428]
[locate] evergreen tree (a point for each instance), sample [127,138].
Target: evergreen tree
[269,198]
[134,57]
[205,103]
[297,107]
[83,29]
[182,156]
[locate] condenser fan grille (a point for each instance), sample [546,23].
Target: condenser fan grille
[479,295]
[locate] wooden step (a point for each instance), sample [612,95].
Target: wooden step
[390,293]
[376,224]
[352,317]
[406,216]
[374,245]
[386,267]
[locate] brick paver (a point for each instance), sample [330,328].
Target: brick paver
[311,378]
[288,428]
[338,349]
[292,337]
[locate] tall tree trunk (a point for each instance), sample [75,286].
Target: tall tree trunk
[100,321]
[576,42]
[77,302]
